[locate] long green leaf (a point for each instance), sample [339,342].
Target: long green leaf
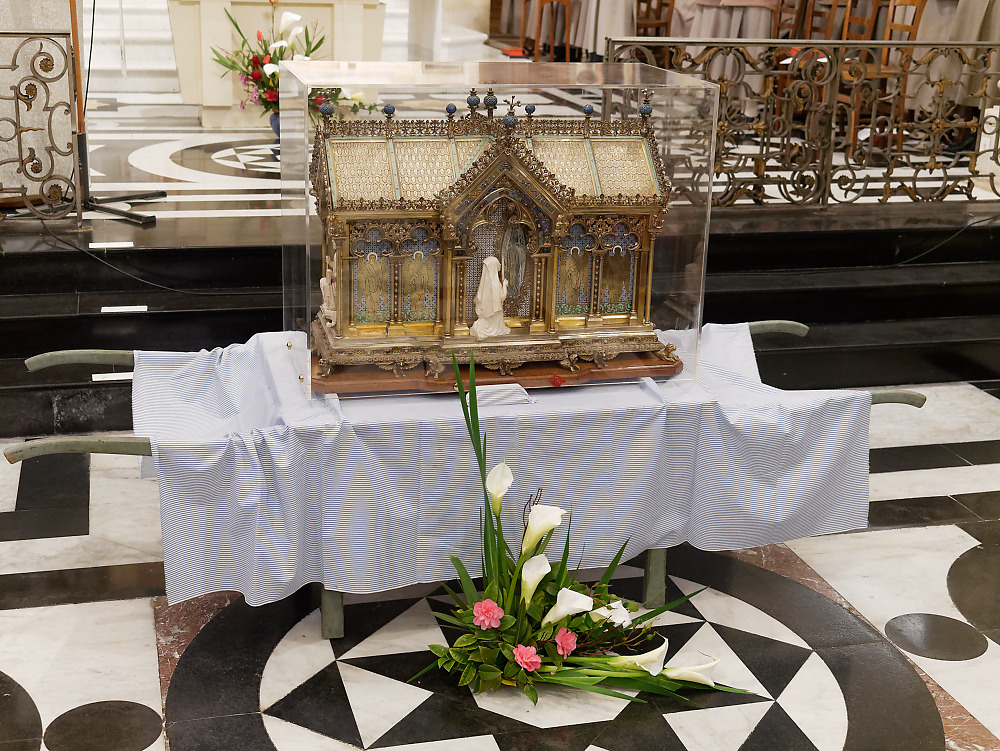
[564,571]
[454,595]
[235,25]
[468,588]
[451,619]
[597,689]
[413,678]
[610,570]
[664,608]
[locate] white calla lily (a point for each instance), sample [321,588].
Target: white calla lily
[277,45]
[568,602]
[697,674]
[541,521]
[296,33]
[270,69]
[615,612]
[287,19]
[498,482]
[532,572]
[651,662]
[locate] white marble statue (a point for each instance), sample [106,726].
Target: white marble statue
[489,302]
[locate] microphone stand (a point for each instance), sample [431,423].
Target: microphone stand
[88,202]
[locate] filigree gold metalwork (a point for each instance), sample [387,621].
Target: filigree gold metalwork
[819,122]
[37,121]
[403,259]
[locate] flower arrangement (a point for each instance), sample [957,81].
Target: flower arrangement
[338,103]
[257,64]
[534,623]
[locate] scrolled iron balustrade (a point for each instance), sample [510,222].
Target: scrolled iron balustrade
[37,122]
[822,123]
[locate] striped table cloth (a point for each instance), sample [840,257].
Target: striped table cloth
[264,490]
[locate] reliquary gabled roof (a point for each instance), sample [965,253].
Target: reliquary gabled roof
[385,164]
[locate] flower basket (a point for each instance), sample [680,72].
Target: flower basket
[533,622]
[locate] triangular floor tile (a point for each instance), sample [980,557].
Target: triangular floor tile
[632,589]
[378,702]
[678,635]
[558,706]
[403,667]
[815,702]
[443,718]
[364,619]
[321,705]
[569,738]
[719,728]
[287,736]
[776,730]
[300,654]
[773,663]
[411,631]
[731,670]
[639,727]
[476,743]
[718,607]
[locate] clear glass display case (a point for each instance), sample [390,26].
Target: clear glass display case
[589,184]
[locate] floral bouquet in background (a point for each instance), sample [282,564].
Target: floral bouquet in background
[534,623]
[339,103]
[257,64]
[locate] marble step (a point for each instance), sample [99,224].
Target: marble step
[883,353]
[855,294]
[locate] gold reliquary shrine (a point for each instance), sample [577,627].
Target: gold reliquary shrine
[514,237]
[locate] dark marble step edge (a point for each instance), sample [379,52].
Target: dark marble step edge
[938,277]
[87,304]
[887,334]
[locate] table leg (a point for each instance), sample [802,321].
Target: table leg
[655,578]
[331,607]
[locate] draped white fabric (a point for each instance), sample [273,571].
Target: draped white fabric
[263,490]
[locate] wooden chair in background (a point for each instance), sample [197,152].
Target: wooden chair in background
[652,19]
[861,19]
[902,24]
[821,19]
[552,25]
[788,18]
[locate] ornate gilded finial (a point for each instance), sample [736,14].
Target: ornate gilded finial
[529,110]
[473,101]
[451,109]
[645,109]
[326,109]
[510,119]
[490,102]
[588,111]
[389,110]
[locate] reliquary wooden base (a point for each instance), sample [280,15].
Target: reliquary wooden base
[352,365]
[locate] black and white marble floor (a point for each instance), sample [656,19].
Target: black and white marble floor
[884,639]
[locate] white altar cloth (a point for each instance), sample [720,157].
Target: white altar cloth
[263,490]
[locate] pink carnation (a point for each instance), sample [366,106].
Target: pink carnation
[527,657]
[487,614]
[565,642]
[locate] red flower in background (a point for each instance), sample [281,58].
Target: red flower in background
[255,61]
[260,35]
[271,96]
[319,100]
[256,75]
[267,59]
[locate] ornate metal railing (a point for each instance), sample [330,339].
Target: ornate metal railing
[37,122]
[818,123]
